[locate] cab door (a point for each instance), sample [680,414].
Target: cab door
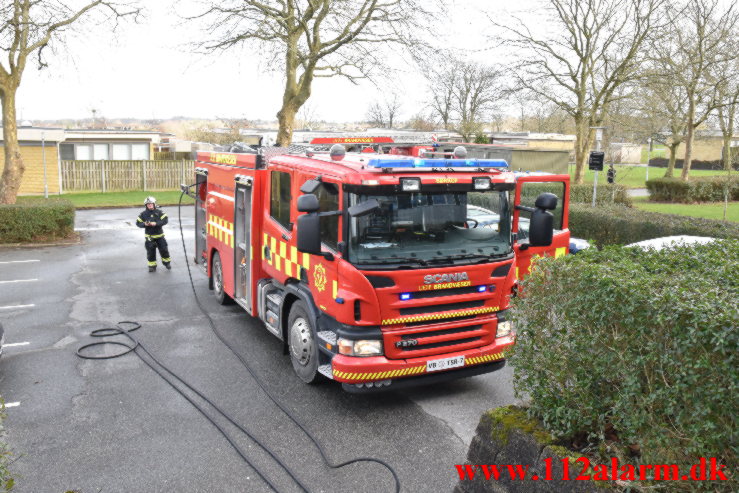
[322,272]
[528,187]
[278,225]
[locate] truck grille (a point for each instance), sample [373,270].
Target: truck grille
[411,342]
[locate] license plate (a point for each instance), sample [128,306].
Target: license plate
[444,364]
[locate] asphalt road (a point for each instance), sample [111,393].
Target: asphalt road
[114,425]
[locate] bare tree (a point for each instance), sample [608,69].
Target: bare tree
[307,117]
[27,27]
[441,87]
[422,122]
[476,90]
[464,95]
[596,49]
[376,115]
[663,110]
[696,47]
[312,38]
[225,131]
[393,104]
[726,112]
[384,113]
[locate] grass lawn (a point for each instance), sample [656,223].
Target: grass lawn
[91,200]
[658,151]
[709,210]
[635,176]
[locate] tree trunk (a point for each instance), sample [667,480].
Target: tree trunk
[687,161]
[10,182]
[727,152]
[286,119]
[670,172]
[582,147]
[688,152]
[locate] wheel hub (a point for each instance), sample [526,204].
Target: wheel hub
[301,341]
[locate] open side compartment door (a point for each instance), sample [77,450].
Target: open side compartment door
[201,221]
[243,252]
[528,188]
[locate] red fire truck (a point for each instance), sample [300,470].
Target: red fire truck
[377,271]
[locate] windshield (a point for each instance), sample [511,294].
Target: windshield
[424,228]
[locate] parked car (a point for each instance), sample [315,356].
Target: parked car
[479,217]
[671,241]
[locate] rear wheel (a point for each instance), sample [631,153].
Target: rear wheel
[218,286]
[301,338]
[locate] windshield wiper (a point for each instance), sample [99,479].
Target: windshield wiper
[482,257]
[393,260]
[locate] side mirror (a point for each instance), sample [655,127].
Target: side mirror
[310,186]
[309,233]
[546,201]
[364,208]
[541,229]
[308,203]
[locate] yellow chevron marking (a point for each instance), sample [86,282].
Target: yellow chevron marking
[439,316]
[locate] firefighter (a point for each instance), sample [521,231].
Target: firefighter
[611,175]
[152,219]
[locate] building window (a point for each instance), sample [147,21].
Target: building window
[122,152]
[83,152]
[100,151]
[66,152]
[280,198]
[139,151]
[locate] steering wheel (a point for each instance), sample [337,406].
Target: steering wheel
[467,223]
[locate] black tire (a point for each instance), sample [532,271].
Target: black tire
[218,287]
[301,341]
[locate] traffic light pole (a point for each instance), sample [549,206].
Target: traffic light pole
[598,138]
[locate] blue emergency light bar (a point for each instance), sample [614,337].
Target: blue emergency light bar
[436,163]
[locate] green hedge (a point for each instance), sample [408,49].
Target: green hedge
[640,345]
[703,189]
[607,194]
[41,220]
[618,225]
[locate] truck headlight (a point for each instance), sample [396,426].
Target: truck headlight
[410,184]
[481,183]
[504,329]
[362,347]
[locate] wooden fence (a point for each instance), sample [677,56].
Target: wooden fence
[116,176]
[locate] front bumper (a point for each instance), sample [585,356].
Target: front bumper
[354,370]
[431,378]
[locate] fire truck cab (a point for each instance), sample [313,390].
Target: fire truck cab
[377,271]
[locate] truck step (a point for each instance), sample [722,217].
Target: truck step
[326,371]
[327,336]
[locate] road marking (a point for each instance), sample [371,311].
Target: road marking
[18,280]
[13,307]
[12,404]
[14,344]
[19,261]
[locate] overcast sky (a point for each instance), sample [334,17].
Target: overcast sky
[148,70]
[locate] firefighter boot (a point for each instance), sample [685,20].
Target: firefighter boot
[169,267]
[152,268]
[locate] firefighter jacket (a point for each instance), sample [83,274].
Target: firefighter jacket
[154,216]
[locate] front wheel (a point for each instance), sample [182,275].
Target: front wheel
[218,286]
[301,339]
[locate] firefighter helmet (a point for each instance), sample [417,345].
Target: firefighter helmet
[150,200]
